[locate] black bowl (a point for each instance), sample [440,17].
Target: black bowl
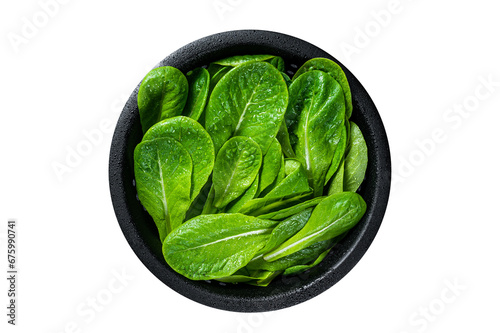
[139,228]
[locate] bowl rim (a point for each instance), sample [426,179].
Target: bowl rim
[293,290]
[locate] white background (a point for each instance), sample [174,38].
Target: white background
[420,64]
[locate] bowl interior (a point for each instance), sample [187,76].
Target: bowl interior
[139,228]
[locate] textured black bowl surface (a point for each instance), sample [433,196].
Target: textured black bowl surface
[139,228]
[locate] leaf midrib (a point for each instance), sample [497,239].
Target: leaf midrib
[164,195]
[303,239]
[245,234]
[306,136]
[249,102]
[238,162]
